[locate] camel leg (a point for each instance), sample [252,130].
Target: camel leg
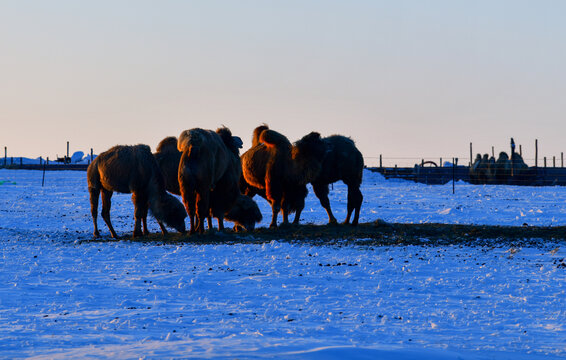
[321,192]
[354,203]
[163,229]
[106,204]
[298,212]
[189,200]
[140,210]
[220,223]
[297,216]
[94,194]
[145,209]
[275,208]
[203,211]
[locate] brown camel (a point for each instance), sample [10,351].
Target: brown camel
[205,164]
[244,213]
[343,161]
[279,170]
[133,169]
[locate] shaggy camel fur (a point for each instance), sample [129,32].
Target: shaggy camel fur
[133,169]
[168,158]
[279,171]
[245,212]
[206,165]
[226,192]
[345,162]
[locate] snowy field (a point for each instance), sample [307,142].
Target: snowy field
[62,296]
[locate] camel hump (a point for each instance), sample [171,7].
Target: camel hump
[233,143]
[274,139]
[257,133]
[168,144]
[143,149]
[192,137]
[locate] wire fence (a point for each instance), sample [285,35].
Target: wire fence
[554,161]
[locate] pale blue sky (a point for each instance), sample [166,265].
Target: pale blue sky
[402,78]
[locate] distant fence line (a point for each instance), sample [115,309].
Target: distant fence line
[381,161]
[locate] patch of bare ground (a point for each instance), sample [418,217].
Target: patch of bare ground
[378,233]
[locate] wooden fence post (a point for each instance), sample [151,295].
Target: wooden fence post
[553,161]
[453,176]
[562,159]
[67,158]
[5,155]
[536,152]
[44,166]
[380,163]
[545,162]
[471,155]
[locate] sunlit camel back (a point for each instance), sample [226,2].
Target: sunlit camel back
[133,169]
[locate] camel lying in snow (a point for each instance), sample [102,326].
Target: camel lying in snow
[279,171]
[133,169]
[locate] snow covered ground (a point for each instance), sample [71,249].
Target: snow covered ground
[64,297]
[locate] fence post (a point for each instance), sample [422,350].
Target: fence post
[5,155]
[562,159]
[44,166]
[545,162]
[536,152]
[67,158]
[553,161]
[521,150]
[453,176]
[380,163]
[440,163]
[493,151]
[471,154]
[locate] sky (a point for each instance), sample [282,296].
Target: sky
[405,79]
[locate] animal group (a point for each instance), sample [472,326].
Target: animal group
[206,169]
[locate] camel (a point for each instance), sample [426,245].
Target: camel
[206,165]
[279,170]
[133,169]
[343,161]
